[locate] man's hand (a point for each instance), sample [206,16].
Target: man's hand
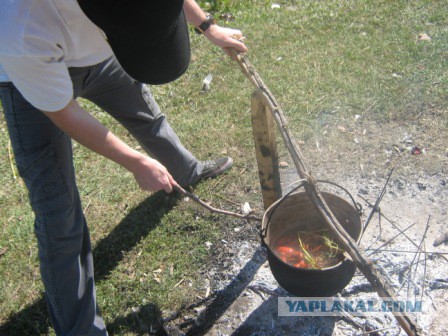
[226,38]
[223,37]
[151,175]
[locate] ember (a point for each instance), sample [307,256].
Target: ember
[315,250]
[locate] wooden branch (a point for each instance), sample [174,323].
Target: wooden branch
[212,209]
[374,275]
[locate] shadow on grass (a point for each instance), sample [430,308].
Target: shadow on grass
[108,252]
[228,295]
[147,320]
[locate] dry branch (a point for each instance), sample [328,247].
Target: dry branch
[212,209]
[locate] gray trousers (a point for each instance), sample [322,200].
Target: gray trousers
[44,159]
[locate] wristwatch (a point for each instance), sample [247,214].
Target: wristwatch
[209,20]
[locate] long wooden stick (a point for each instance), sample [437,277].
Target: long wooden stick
[374,275]
[212,209]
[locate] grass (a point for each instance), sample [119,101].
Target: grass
[318,57]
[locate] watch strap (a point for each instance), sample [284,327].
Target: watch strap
[209,20]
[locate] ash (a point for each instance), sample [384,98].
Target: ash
[245,299]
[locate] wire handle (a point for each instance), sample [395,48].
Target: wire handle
[264,231]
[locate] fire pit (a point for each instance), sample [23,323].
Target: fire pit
[296,213]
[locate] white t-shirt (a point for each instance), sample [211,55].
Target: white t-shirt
[39,40]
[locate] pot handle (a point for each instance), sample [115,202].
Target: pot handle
[357,206]
[263,232]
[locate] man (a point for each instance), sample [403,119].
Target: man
[50,53]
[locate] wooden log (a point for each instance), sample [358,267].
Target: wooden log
[263,130]
[374,275]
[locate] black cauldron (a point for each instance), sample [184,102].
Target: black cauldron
[296,212]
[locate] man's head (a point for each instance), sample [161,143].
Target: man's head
[149,38]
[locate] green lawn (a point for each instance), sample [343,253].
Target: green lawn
[356,57]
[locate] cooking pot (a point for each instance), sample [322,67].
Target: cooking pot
[295,212]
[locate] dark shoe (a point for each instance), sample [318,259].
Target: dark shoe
[216,167]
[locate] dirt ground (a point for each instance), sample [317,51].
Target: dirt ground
[358,154]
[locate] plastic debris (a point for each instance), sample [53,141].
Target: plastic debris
[416,150]
[246,208]
[275,6]
[424,37]
[407,138]
[206,83]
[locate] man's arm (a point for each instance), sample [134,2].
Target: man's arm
[84,128]
[220,36]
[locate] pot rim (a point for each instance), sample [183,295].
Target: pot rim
[272,208]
